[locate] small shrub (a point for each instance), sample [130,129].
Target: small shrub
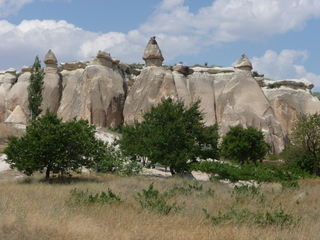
[274,85]
[246,216]
[184,190]
[84,197]
[152,200]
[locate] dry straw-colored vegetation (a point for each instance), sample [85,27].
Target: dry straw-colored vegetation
[34,209]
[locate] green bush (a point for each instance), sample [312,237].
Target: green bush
[54,146]
[296,157]
[153,200]
[246,145]
[84,197]
[110,159]
[276,217]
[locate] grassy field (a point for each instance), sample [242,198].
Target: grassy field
[34,209]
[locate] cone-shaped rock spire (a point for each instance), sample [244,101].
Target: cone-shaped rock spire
[152,54]
[51,63]
[50,59]
[17,116]
[243,63]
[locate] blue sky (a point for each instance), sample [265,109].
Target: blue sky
[281,37]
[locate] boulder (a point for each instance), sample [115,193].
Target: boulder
[9,76]
[102,59]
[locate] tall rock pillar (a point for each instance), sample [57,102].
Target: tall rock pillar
[52,84]
[153,84]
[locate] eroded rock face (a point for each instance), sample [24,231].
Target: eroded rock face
[97,91]
[287,103]
[96,94]
[230,100]
[198,86]
[240,101]
[153,84]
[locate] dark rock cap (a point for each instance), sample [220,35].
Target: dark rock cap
[50,58]
[152,50]
[243,62]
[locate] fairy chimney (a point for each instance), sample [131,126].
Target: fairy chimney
[51,63]
[152,54]
[243,63]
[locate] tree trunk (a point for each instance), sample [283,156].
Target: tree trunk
[172,171]
[48,172]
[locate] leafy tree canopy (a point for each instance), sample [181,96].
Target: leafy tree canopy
[305,138]
[171,134]
[245,145]
[54,146]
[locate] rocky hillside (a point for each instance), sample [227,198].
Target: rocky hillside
[109,93]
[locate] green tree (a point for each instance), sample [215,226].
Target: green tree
[245,145]
[296,157]
[53,146]
[35,89]
[172,135]
[306,137]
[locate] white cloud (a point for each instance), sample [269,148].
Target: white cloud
[230,20]
[179,32]
[11,7]
[170,4]
[285,65]
[105,41]
[8,7]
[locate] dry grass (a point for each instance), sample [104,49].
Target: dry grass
[33,209]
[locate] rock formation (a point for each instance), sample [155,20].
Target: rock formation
[243,63]
[153,84]
[96,94]
[290,98]
[96,90]
[152,54]
[52,84]
[17,116]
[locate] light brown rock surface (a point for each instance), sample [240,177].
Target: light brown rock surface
[240,101]
[198,86]
[17,116]
[152,54]
[52,84]
[287,103]
[97,94]
[153,84]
